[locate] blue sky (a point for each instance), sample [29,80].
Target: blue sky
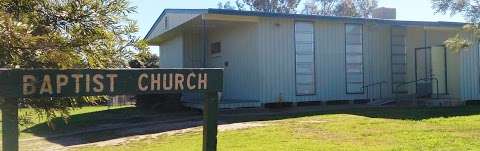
[149,10]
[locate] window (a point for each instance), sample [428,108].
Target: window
[304,58]
[354,58]
[215,48]
[398,59]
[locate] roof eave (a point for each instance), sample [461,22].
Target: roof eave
[171,11]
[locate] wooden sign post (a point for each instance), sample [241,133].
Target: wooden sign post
[37,83]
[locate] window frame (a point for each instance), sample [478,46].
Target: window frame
[314,92]
[346,55]
[215,54]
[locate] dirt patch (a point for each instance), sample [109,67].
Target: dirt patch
[237,126]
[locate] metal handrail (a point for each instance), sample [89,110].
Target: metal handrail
[423,79]
[374,84]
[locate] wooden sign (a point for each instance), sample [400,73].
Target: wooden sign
[93,82]
[35,83]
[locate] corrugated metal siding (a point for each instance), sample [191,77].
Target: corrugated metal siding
[277,55]
[239,48]
[420,37]
[193,50]
[171,53]
[437,37]
[377,50]
[415,39]
[470,84]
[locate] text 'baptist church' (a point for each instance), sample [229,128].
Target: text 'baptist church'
[56,84]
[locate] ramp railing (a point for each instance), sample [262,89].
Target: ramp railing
[380,84]
[423,79]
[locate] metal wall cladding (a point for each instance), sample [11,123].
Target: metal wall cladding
[193,50]
[415,39]
[377,56]
[171,54]
[469,81]
[260,59]
[418,37]
[277,60]
[436,37]
[239,58]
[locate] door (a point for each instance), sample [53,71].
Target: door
[423,72]
[439,69]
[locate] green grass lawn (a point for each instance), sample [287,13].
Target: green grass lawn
[359,129]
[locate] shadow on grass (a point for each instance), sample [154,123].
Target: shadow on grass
[132,115]
[82,121]
[387,113]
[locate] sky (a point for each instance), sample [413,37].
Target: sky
[149,10]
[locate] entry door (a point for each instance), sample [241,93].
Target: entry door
[439,69]
[423,72]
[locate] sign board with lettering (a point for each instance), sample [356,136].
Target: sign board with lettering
[35,83]
[22,83]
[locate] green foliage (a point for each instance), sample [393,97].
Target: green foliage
[467,8]
[456,43]
[354,8]
[144,58]
[365,7]
[320,7]
[66,34]
[226,5]
[272,6]
[346,8]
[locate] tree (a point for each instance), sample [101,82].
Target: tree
[346,8]
[320,7]
[354,8]
[366,7]
[272,6]
[470,10]
[240,5]
[144,58]
[226,5]
[65,34]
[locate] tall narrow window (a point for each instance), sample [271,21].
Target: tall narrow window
[304,58]
[399,59]
[354,58]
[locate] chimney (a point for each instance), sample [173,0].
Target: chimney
[385,13]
